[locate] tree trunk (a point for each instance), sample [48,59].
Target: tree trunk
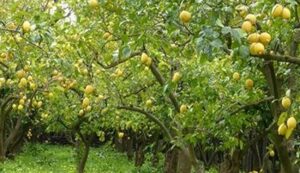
[139,155]
[231,164]
[274,89]
[171,161]
[83,155]
[2,152]
[184,162]
[129,147]
[82,161]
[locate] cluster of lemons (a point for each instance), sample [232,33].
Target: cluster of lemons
[86,105]
[286,129]
[258,41]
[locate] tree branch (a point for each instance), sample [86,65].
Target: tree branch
[149,116]
[247,106]
[119,61]
[139,90]
[252,104]
[162,82]
[280,58]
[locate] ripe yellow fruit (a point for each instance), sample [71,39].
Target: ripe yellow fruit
[26,26]
[277,10]
[252,49]
[257,49]
[88,108]
[149,61]
[247,26]
[11,26]
[106,36]
[185,16]
[22,83]
[2,80]
[50,95]
[29,78]
[39,104]
[85,71]
[286,13]
[272,153]
[291,123]
[14,106]
[176,77]
[55,72]
[20,74]
[85,102]
[253,38]
[251,18]
[93,3]
[21,101]
[118,72]
[282,129]
[149,103]
[145,59]
[183,108]
[89,89]
[286,102]
[20,107]
[249,84]
[120,135]
[26,68]
[32,86]
[265,38]
[81,112]
[236,76]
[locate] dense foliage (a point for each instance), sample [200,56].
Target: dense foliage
[211,84]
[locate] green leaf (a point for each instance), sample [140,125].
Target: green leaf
[226,30]
[219,23]
[237,35]
[288,133]
[244,51]
[282,118]
[217,43]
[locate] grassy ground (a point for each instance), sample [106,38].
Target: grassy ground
[43,158]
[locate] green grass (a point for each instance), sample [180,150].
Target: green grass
[44,158]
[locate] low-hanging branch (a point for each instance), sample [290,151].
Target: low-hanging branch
[149,116]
